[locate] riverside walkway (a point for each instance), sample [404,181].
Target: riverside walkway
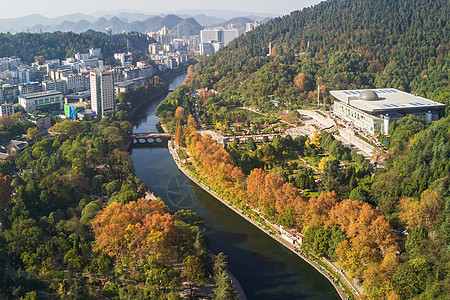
[277,237]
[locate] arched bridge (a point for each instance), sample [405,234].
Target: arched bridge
[148,137]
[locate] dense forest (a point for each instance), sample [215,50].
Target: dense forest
[75,223]
[65,44]
[338,44]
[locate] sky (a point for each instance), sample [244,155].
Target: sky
[55,8]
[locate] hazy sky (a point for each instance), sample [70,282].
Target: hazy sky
[54,8]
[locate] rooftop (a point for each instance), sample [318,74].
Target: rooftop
[78,95]
[126,83]
[388,99]
[40,94]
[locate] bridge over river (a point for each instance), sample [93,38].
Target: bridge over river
[149,137]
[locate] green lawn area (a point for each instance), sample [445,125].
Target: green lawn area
[237,110]
[310,194]
[312,160]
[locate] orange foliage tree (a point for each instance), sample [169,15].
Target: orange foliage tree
[369,235]
[215,165]
[369,248]
[190,75]
[179,113]
[426,212]
[138,229]
[300,81]
[268,190]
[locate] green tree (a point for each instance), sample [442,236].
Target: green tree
[224,289]
[194,272]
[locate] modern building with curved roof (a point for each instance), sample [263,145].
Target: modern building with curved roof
[373,110]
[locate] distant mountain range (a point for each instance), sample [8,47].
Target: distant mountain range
[185,21]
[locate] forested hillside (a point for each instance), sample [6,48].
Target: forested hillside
[61,45]
[402,44]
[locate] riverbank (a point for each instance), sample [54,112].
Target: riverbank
[277,237]
[162,93]
[149,100]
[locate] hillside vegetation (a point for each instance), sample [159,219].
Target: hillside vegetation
[360,44]
[65,44]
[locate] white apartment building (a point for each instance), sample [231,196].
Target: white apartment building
[6,109]
[55,85]
[102,93]
[76,83]
[9,63]
[95,52]
[29,88]
[24,75]
[229,35]
[206,48]
[82,56]
[213,39]
[155,48]
[126,59]
[218,35]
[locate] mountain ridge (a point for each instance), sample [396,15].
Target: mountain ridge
[129,21]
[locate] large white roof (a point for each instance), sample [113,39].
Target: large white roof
[389,99]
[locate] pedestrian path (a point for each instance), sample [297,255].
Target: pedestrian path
[277,237]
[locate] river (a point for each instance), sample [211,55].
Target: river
[264,268]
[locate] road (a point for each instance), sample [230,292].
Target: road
[346,136]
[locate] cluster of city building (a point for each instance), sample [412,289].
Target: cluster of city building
[168,49]
[213,39]
[49,85]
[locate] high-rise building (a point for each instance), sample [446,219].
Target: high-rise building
[82,56]
[218,35]
[211,35]
[217,38]
[206,48]
[229,35]
[102,93]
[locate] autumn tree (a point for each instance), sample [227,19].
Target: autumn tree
[315,139]
[139,229]
[179,113]
[33,134]
[299,81]
[369,235]
[178,133]
[192,122]
[190,75]
[426,212]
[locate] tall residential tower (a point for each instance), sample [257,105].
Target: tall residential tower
[102,93]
